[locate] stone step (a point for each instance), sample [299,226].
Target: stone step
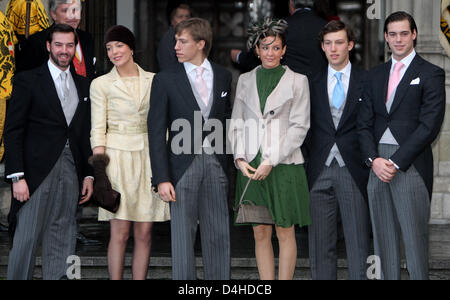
[96,268]
[243,264]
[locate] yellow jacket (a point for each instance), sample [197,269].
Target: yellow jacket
[119,122]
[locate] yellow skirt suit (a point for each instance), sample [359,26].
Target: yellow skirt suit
[119,109]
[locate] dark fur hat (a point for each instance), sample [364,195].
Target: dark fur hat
[122,34]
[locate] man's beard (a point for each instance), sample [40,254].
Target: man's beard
[58,62]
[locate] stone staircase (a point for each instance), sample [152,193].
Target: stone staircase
[94,262]
[96,268]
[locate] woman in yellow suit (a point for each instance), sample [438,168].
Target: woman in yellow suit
[120,105]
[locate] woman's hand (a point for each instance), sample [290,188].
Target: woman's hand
[263,170]
[245,168]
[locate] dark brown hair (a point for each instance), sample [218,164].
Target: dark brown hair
[63,28]
[181,6]
[335,26]
[401,16]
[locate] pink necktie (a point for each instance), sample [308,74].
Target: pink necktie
[200,85]
[394,79]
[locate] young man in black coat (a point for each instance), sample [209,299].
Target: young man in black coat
[189,169]
[337,177]
[401,115]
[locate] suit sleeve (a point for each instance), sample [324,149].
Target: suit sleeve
[16,122]
[236,129]
[305,147]
[229,108]
[431,117]
[299,123]
[366,123]
[98,115]
[157,128]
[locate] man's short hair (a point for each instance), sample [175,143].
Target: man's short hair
[63,28]
[335,26]
[399,16]
[181,6]
[199,29]
[299,3]
[53,4]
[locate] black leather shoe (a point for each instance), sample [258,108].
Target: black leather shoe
[83,240]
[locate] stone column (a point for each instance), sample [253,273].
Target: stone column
[427,16]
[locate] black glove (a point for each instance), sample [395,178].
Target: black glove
[103,195]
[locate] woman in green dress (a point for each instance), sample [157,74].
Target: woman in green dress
[270,121]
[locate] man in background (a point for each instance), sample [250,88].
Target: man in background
[304,54]
[34,52]
[166,56]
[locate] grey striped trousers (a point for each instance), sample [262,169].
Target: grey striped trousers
[335,192]
[401,207]
[48,217]
[201,196]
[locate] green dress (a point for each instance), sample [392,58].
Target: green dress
[285,191]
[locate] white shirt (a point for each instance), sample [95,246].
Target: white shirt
[208,75]
[303,8]
[55,72]
[406,61]
[332,80]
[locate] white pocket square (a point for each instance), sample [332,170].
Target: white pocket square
[415,81]
[224,94]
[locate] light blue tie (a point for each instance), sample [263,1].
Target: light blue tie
[338,93]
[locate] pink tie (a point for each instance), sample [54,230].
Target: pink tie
[394,79]
[200,85]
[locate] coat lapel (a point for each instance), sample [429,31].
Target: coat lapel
[49,88]
[282,92]
[351,98]
[117,82]
[323,99]
[185,88]
[252,101]
[80,97]
[385,73]
[404,84]
[216,90]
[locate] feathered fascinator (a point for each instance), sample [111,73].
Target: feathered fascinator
[261,30]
